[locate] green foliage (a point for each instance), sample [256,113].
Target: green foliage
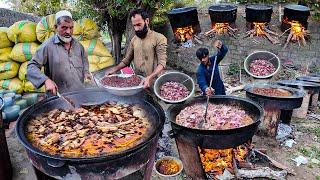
[160,16]
[38,7]
[233,69]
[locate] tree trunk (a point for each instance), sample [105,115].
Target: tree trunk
[116,29]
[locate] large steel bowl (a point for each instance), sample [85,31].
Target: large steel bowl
[274,59]
[122,91]
[175,77]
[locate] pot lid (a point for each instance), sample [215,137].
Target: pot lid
[223,7]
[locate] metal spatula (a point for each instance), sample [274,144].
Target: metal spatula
[208,97]
[71,103]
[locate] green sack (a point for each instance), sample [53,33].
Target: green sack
[85,29]
[5,54]
[22,31]
[29,88]
[8,70]
[5,42]
[12,84]
[96,62]
[45,28]
[23,52]
[95,47]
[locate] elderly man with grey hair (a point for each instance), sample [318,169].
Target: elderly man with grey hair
[64,60]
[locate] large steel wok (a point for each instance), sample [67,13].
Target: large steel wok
[217,139]
[112,166]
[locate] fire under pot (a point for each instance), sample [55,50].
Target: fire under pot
[184,23]
[223,17]
[258,18]
[310,88]
[295,22]
[273,98]
[195,146]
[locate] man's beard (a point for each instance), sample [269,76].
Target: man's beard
[142,33]
[65,39]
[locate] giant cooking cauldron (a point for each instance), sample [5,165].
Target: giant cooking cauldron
[111,166]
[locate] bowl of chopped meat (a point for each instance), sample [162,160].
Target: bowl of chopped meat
[122,84]
[262,64]
[174,87]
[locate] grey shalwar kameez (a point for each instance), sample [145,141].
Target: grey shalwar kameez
[66,68]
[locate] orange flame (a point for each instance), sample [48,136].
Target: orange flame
[296,29]
[216,161]
[184,33]
[259,28]
[220,28]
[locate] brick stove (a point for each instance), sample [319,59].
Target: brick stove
[258,18]
[184,23]
[223,17]
[295,23]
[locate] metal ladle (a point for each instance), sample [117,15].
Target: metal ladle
[208,97]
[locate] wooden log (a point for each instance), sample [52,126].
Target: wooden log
[273,40]
[275,163]
[288,40]
[197,40]
[261,172]
[270,32]
[209,32]
[189,155]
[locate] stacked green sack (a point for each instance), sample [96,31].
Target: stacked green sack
[5,45]
[8,72]
[85,29]
[12,84]
[27,85]
[22,31]
[45,28]
[23,52]
[98,55]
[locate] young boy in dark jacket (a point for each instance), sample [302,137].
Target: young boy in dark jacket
[205,69]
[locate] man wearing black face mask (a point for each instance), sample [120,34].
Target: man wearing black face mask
[147,49]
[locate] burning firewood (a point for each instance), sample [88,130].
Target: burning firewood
[220,29]
[261,172]
[260,29]
[297,33]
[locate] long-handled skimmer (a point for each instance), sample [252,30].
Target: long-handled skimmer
[208,97]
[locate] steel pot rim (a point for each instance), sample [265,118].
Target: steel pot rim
[222,131]
[23,140]
[262,77]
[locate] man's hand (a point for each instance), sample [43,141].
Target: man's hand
[111,71]
[51,86]
[88,77]
[209,91]
[217,44]
[147,82]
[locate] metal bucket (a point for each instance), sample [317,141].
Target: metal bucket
[269,56]
[175,77]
